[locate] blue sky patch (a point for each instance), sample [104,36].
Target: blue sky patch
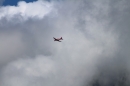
[14,2]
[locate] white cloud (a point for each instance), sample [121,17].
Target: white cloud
[26,10]
[32,58]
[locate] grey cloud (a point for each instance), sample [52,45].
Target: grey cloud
[94,50]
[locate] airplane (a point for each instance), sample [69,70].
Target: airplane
[58,39]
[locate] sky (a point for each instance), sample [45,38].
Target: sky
[14,2]
[94,50]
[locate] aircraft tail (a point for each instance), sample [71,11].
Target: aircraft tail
[61,38]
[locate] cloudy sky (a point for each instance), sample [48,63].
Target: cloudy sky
[94,51]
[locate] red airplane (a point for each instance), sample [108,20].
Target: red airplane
[58,39]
